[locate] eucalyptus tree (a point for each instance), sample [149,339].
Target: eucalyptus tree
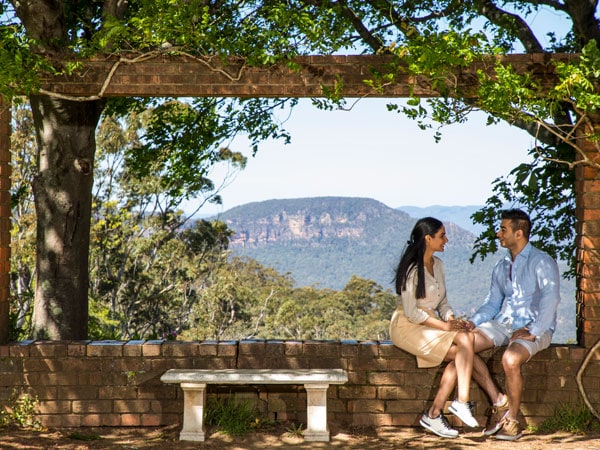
[23,223]
[146,256]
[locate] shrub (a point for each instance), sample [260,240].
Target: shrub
[576,419]
[20,411]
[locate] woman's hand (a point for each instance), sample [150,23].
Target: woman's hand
[456,325]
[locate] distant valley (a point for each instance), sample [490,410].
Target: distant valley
[323,241]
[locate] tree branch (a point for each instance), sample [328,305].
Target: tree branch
[513,23]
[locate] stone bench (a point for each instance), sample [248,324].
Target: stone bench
[193,383]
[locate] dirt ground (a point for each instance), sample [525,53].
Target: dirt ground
[166,438]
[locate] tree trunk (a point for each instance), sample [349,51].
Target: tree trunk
[62,189]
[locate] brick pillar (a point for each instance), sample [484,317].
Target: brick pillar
[587,197]
[5,213]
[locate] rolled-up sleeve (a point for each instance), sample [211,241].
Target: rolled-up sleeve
[548,280]
[445,310]
[409,300]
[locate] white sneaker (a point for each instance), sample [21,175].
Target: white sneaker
[438,425]
[464,413]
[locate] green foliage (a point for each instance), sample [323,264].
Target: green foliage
[20,411]
[294,430]
[578,81]
[231,416]
[576,419]
[23,229]
[543,189]
[19,65]
[172,132]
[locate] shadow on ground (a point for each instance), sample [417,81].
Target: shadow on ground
[166,438]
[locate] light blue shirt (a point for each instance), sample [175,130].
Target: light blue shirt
[524,293]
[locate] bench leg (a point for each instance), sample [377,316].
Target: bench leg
[194,398]
[316,412]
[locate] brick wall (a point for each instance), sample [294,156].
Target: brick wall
[114,383]
[587,194]
[160,74]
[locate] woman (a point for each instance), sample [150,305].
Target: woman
[424,323]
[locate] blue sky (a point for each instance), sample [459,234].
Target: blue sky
[371,152]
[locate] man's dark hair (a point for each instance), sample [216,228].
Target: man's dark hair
[519,220]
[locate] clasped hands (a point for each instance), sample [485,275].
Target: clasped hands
[459,325]
[467,325]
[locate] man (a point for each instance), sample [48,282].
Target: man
[519,312]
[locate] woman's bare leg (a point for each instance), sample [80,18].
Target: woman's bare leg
[481,375]
[459,370]
[447,384]
[463,359]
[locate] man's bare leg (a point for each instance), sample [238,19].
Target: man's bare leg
[513,359]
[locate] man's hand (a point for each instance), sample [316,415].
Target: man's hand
[469,325]
[457,325]
[522,333]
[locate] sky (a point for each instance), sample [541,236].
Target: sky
[373,153]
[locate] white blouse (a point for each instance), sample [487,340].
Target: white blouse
[418,310]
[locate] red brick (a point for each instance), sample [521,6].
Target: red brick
[47,349]
[105,348]
[386,378]
[130,420]
[151,420]
[78,392]
[396,392]
[70,420]
[152,348]
[117,392]
[54,407]
[366,405]
[132,406]
[92,406]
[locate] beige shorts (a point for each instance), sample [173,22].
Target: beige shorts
[500,335]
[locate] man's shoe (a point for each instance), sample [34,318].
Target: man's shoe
[464,412]
[438,425]
[495,415]
[511,430]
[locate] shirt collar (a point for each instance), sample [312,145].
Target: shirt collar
[522,254]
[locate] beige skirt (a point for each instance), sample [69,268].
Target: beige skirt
[429,345]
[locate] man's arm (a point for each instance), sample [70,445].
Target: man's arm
[548,279]
[493,302]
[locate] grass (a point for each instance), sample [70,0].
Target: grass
[232,417]
[294,430]
[573,419]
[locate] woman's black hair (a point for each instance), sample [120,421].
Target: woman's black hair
[413,254]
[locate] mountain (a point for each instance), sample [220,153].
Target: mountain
[323,241]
